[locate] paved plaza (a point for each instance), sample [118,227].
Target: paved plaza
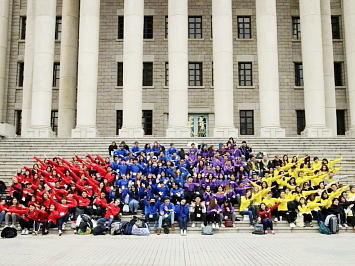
[195,249]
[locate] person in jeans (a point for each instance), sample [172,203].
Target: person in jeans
[246,208]
[112,210]
[182,213]
[265,217]
[166,212]
[198,212]
[151,210]
[228,212]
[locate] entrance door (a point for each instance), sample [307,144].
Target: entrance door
[198,125]
[341,122]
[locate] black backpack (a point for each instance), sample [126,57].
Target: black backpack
[127,228]
[99,230]
[87,219]
[8,232]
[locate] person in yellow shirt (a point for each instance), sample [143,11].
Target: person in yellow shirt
[246,207]
[305,211]
[287,209]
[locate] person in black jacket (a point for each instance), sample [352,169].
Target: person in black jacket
[111,148]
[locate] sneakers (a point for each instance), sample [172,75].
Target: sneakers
[213,226]
[266,232]
[275,220]
[181,232]
[222,225]
[193,225]
[63,226]
[184,233]
[292,225]
[60,232]
[217,226]
[345,225]
[272,232]
[23,232]
[340,226]
[311,224]
[202,225]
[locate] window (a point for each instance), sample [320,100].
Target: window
[147,122]
[22,34]
[18,122]
[54,121]
[246,122]
[166,74]
[244,27]
[195,27]
[336,27]
[338,74]
[341,122]
[166,27]
[296,28]
[301,121]
[148,27]
[120,30]
[298,74]
[195,74]
[211,27]
[58,28]
[245,73]
[212,75]
[148,74]
[119,121]
[56,75]
[119,74]
[20,70]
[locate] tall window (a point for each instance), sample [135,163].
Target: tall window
[298,74]
[246,122]
[22,34]
[296,28]
[147,122]
[166,73]
[212,75]
[58,28]
[20,71]
[148,27]
[18,122]
[195,74]
[56,75]
[341,126]
[244,27]
[119,74]
[245,70]
[148,74]
[338,74]
[166,26]
[119,121]
[120,28]
[301,121]
[195,27]
[54,121]
[336,29]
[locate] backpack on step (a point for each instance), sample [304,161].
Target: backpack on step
[323,229]
[207,230]
[140,231]
[333,225]
[117,228]
[258,229]
[8,232]
[100,229]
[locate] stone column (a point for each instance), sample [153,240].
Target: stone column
[268,61]
[68,68]
[312,57]
[178,69]
[4,30]
[132,68]
[328,67]
[28,71]
[222,25]
[87,69]
[43,60]
[349,22]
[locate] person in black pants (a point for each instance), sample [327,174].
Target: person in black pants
[198,212]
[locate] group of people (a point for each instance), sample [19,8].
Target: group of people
[210,185]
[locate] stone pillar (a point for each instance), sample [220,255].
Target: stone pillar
[312,57]
[222,25]
[4,30]
[87,69]
[349,22]
[178,69]
[43,60]
[28,71]
[328,67]
[68,68]
[268,61]
[132,68]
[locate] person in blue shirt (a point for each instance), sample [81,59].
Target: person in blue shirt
[172,149]
[122,168]
[151,210]
[135,149]
[176,193]
[115,163]
[182,213]
[122,183]
[121,152]
[166,213]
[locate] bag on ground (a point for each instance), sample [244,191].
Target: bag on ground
[258,229]
[8,232]
[207,230]
[117,228]
[127,228]
[323,229]
[99,230]
[228,223]
[140,231]
[333,225]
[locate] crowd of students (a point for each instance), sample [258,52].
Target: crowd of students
[202,184]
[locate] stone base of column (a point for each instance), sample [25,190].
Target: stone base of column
[84,132]
[7,130]
[178,132]
[317,132]
[350,132]
[131,132]
[42,132]
[225,132]
[272,132]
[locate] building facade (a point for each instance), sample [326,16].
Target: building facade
[177,68]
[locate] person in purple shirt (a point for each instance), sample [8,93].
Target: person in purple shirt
[214,213]
[228,212]
[207,196]
[220,195]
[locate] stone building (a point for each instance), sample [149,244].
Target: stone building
[177,68]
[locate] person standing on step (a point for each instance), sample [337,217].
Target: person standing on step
[182,214]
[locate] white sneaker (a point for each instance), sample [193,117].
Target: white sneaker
[345,225]
[60,232]
[222,225]
[217,226]
[23,232]
[213,226]
[275,220]
[26,231]
[234,226]
[181,232]
[185,233]
[193,225]
[63,226]
[292,225]
[202,225]
[340,226]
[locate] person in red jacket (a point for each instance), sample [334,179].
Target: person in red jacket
[63,210]
[83,204]
[99,204]
[265,216]
[12,212]
[28,219]
[112,210]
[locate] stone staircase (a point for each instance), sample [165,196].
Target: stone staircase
[17,152]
